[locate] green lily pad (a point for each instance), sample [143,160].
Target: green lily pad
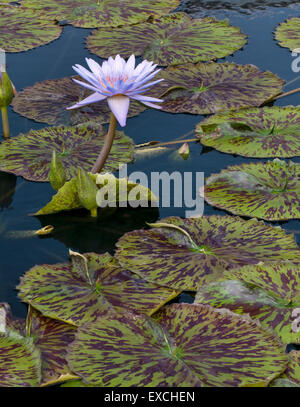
[288,33]
[20,362]
[47,101]
[169,40]
[187,253]
[205,88]
[293,370]
[52,338]
[22,29]
[102,13]
[269,191]
[267,292]
[186,345]
[265,132]
[67,197]
[78,292]
[29,155]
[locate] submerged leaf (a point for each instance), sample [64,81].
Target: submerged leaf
[186,345]
[168,257]
[30,155]
[269,191]
[169,40]
[265,132]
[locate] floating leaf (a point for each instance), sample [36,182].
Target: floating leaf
[102,13]
[20,363]
[67,196]
[269,191]
[30,155]
[78,292]
[169,40]
[22,29]
[265,132]
[47,101]
[206,88]
[293,370]
[186,345]
[52,337]
[167,256]
[268,292]
[288,33]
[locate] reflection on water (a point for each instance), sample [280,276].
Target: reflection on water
[7,190]
[80,232]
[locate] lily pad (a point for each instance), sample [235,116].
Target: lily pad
[67,197]
[52,338]
[29,155]
[205,88]
[269,191]
[102,13]
[47,101]
[288,33]
[187,253]
[78,292]
[265,132]
[20,362]
[293,370]
[267,292]
[22,29]
[186,345]
[170,40]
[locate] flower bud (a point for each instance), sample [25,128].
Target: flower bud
[87,191]
[6,90]
[57,176]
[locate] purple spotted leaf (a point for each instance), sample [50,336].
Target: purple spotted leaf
[267,292]
[52,338]
[78,292]
[30,155]
[22,29]
[293,370]
[288,33]
[20,361]
[169,40]
[206,88]
[47,101]
[184,345]
[102,13]
[265,132]
[269,191]
[202,250]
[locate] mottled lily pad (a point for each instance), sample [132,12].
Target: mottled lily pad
[47,101]
[20,362]
[22,29]
[30,155]
[268,292]
[170,40]
[78,292]
[102,13]
[293,370]
[265,132]
[186,345]
[52,338]
[67,197]
[203,249]
[205,88]
[269,191]
[288,33]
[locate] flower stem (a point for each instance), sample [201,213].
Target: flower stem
[109,138]
[5,124]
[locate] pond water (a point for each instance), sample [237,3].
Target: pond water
[20,198]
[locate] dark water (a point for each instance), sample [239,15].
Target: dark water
[76,230]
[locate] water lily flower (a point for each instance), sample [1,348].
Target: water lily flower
[118,81]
